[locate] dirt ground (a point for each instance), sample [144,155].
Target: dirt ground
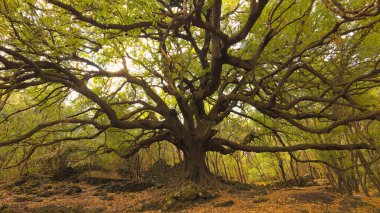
[90,198]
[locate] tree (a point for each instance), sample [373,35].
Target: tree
[174,72]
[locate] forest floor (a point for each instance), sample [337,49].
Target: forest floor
[38,194]
[71,191]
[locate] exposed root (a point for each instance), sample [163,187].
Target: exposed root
[186,195]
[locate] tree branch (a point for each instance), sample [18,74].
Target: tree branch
[217,142]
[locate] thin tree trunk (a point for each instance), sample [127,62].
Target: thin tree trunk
[281,166]
[330,177]
[295,175]
[225,169]
[369,171]
[362,181]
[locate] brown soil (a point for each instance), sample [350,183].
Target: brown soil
[91,198]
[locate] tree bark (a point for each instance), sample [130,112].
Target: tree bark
[281,166]
[368,170]
[195,168]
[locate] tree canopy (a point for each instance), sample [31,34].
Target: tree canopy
[177,71]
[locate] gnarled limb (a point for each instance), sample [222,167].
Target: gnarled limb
[216,142]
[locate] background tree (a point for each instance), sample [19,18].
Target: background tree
[156,72]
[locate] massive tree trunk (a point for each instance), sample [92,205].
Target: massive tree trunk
[195,168]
